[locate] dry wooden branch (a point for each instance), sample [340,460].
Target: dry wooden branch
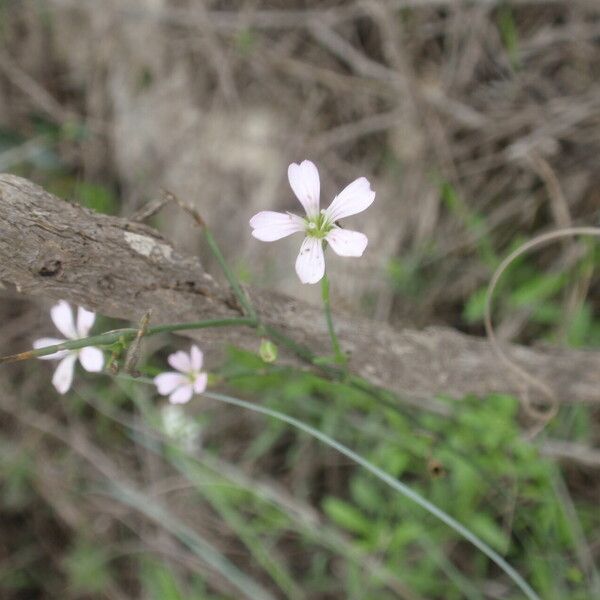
[121,269]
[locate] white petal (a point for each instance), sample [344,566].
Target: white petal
[168,382]
[91,359]
[304,179]
[197,358]
[85,321]
[63,375]
[347,243]
[62,316]
[45,342]
[180,361]
[310,264]
[182,394]
[269,226]
[200,383]
[354,198]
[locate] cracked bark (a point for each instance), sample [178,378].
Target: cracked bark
[121,268]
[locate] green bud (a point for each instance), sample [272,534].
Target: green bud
[268,351]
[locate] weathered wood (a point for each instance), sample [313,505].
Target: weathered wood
[121,268]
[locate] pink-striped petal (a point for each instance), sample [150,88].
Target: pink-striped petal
[168,382]
[347,243]
[180,361]
[182,394]
[268,226]
[310,264]
[91,359]
[45,342]
[304,180]
[353,199]
[62,316]
[63,375]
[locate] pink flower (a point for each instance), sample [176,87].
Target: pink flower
[318,225]
[91,358]
[187,380]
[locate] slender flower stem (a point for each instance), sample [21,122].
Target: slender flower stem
[126,334]
[340,357]
[231,278]
[206,324]
[214,247]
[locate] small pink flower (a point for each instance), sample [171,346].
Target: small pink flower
[91,358]
[318,225]
[180,385]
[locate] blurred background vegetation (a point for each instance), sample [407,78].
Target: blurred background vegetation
[478,124]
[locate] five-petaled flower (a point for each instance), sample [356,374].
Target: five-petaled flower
[318,225]
[91,358]
[180,385]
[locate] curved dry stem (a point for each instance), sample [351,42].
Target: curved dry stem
[546,414]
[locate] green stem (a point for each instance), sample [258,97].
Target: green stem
[110,337]
[340,357]
[206,324]
[229,275]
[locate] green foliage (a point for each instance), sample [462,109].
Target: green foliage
[475,223]
[475,465]
[16,471]
[541,293]
[160,583]
[509,34]
[348,517]
[86,567]
[407,275]
[91,195]
[245,42]
[39,157]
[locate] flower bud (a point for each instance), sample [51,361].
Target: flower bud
[268,351]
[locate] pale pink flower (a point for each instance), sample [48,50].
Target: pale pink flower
[318,225]
[187,379]
[91,358]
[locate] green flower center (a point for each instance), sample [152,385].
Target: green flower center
[319,226]
[192,375]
